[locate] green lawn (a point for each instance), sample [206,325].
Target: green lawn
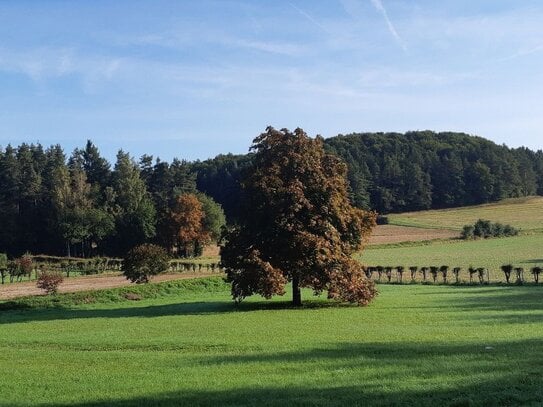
[523,213]
[185,345]
[525,251]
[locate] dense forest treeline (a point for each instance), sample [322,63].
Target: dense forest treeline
[393,172]
[53,203]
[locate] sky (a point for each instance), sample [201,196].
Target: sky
[192,79]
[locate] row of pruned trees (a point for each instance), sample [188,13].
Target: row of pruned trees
[446,274]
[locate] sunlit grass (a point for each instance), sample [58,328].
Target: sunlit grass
[523,213]
[415,345]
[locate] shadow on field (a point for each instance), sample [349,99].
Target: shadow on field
[533,261]
[483,377]
[188,308]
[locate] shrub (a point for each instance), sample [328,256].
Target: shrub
[481,274]
[400,270]
[382,220]
[145,261]
[536,271]
[520,272]
[3,266]
[468,232]
[507,269]
[433,271]
[380,270]
[49,281]
[444,271]
[456,271]
[424,272]
[485,229]
[471,271]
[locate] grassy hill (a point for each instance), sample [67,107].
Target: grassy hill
[523,213]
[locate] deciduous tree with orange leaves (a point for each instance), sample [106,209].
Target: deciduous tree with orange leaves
[299,226]
[187,223]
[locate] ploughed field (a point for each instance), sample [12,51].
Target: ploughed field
[185,343]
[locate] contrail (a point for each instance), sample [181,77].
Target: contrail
[381,9]
[303,13]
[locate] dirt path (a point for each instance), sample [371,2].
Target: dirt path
[97,282]
[384,234]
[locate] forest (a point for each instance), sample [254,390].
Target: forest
[81,204]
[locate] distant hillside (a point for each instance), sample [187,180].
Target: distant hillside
[393,172]
[523,213]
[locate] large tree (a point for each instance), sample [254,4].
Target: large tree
[299,224]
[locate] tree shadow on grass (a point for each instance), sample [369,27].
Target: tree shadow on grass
[185,308]
[408,374]
[533,261]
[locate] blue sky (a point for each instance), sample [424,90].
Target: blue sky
[192,79]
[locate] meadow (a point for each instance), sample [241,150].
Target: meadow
[524,213]
[186,343]
[524,251]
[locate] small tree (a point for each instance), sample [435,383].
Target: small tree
[507,270]
[144,261]
[26,265]
[400,270]
[481,274]
[388,273]
[535,272]
[520,272]
[3,266]
[433,271]
[424,272]
[49,281]
[444,271]
[456,272]
[413,270]
[471,271]
[380,270]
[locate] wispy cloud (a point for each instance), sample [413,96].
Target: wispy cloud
[378,4]
[310,18]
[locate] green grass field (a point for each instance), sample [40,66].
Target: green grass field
[186,343]
[523,213]
[525,251]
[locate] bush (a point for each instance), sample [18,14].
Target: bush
[382,220]
[145,261]
[49,281]
[536,271]
[485,229]
[3,266]
[507,270]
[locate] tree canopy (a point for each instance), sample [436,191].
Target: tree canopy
[299,226]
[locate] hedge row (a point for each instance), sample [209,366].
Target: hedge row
[443,273]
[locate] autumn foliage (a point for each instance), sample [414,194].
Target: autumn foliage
[49,281]
[187,224]
[300,226]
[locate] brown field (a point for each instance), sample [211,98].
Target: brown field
[84,283]
[385,234]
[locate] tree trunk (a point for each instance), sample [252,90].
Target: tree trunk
[296,292]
